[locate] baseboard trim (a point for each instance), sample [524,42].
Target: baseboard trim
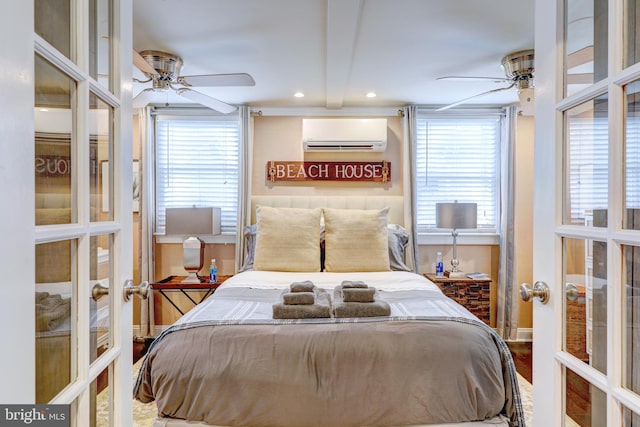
[524,334]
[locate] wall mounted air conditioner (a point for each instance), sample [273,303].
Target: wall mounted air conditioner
[344,134]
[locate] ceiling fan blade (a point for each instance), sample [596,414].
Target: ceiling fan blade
[212,80]
[475,78]
[143,98]
[206,100]
[142,64]
[462,101]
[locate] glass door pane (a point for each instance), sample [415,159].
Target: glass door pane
[585,404]
[632,32]
[585,43]
[101,149]
[55,318]
[586,163]
[53,23]
[100,36]
[54,161]
[100,304]
[585,302]
[631,306]
[632,158]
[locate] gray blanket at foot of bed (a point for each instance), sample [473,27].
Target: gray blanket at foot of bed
[394,371]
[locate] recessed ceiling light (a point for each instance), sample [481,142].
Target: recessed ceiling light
[299,95]
[371,95]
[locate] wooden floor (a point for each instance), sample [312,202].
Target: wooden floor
[521,353]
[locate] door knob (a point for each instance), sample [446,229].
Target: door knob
[129,289]
[540,290]
[98,291]
[571,291]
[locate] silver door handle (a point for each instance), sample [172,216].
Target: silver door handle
[98,291]
[571,292]
[129,289]
[540,290]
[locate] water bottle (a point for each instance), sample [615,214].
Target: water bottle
[439,265]
[213,272]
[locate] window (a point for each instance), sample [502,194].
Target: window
[197,164]
[458,158]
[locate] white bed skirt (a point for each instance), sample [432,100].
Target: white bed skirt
[495,421]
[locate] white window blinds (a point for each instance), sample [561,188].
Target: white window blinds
[197,164]
[588,167]
[458,158]
[632,163]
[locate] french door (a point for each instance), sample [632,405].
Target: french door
[586,362]
[66,179]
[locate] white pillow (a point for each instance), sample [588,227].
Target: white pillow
[356,240]
[287,239]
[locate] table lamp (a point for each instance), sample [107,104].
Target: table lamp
[456,216]
[192,223]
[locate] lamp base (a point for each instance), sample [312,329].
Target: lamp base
[192,278]
[456,274]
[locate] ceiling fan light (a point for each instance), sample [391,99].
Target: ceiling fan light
[527,101]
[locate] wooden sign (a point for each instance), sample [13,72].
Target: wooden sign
[328,171]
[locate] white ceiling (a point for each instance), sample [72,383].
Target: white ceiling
[335,51]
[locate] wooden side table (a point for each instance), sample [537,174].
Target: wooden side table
[473,294]
[174,283]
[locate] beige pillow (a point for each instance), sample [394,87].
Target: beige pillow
[287,239]
[356,240]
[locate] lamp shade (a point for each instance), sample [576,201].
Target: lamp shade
[456,215]
[192,221]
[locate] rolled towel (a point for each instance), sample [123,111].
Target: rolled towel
[358,294]
[298,298]
[306,286]
[321,308]
[353,284]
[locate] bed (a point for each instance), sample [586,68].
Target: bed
[237,360]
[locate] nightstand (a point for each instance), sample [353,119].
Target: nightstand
[174,283]
[473,294]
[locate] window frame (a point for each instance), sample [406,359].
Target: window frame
[432,235]
[184,114]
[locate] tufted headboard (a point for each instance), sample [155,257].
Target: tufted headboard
[394,203]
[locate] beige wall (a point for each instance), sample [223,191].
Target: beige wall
[523,229]
[279,138]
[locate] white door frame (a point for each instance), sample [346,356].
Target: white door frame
[17,260]
[548,358]
[17,256]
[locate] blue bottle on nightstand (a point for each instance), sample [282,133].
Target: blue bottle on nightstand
[213,272]
[439,265]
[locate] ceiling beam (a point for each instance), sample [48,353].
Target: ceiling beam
[343,22]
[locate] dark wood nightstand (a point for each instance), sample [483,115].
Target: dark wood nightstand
[473,294]
[174,283]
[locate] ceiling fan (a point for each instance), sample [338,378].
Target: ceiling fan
[163,71]
[519,70]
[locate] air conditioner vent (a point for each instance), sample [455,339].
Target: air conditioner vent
[344,134]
